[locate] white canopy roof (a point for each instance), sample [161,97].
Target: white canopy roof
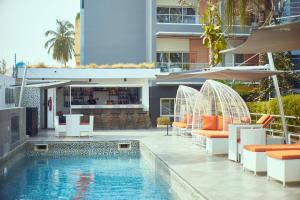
[224,73]
[275,38]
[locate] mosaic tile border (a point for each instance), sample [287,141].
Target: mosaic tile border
[84,148]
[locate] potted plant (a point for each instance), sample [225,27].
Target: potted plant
[163,122]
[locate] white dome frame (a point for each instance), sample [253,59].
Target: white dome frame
[184,105]
[218,99]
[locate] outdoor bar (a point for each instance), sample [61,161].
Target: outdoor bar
[116,98]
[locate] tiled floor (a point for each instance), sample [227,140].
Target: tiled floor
[215,177]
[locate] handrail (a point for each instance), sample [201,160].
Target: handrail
[276,130]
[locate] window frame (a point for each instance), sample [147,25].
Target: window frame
[160,106]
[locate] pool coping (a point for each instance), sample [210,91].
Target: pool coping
[182,188]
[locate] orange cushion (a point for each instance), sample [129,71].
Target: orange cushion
[267,122]
[262,119]
[179,124]
[284,155]
[212,133]
[298,142]
[271,147]
[220,123]
[245,120]
[208,122]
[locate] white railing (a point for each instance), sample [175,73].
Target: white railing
[180,67]
[275,128]
[178,19]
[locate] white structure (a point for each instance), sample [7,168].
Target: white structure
[183,111]
[216,107]
[68,90]
[218,99]
[7,93]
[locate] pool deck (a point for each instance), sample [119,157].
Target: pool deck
[215,177]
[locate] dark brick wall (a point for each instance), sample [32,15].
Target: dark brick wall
[157,92]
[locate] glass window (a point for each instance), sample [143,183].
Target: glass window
[9,96]
[188,11]
[162,10]
[104,96]
[176,11]
[162,57]
[167,106]
[176,57]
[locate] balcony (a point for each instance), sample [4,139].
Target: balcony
[178,19]
[180,61]
[180,67]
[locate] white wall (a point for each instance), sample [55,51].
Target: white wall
[5,82]
[172,44]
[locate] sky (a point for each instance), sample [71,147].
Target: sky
[23,24]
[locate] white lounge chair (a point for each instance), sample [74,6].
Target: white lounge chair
[283,165]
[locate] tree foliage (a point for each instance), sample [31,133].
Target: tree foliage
[213,37]
[3,66]
[62,42]
[283,62]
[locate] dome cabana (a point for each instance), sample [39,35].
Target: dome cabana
[183,109]
[218,105]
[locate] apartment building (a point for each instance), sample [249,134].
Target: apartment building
[156,31]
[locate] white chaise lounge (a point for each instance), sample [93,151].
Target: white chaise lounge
[284,165]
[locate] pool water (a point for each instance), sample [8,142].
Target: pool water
[85,178]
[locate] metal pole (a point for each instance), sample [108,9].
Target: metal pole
[22,87]
[280,105]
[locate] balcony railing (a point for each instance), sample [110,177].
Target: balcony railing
[178,19]
[275,128]
[195,20]
[180,67]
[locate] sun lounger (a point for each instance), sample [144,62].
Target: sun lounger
[284,165]
[216,141]
[254,156]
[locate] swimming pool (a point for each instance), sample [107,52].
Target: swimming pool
[79,177]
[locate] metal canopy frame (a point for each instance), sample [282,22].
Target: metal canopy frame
[268,39]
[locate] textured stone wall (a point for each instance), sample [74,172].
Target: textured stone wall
[117,118]
[12,129]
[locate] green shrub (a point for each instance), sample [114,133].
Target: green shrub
[163,121]
[291,107]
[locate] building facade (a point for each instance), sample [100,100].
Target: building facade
[153,31]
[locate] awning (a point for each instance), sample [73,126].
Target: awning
[46,85]
[276,38]
[222,74]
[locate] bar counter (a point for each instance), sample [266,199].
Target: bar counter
[116,118]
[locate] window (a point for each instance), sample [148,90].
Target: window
[170,60]
[82,4]
[9,96]
[176,15]
[167,106]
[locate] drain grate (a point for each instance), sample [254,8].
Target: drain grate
[41,147]
[124,146]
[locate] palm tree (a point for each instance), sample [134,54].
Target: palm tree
[3,68]
[62,42]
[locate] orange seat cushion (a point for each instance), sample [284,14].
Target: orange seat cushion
[267,122]
[284,155]
[213,133]
[179,124]
[262,119]
[298,142]
[209,122]
[245,120]
[271,147]
[220,123]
